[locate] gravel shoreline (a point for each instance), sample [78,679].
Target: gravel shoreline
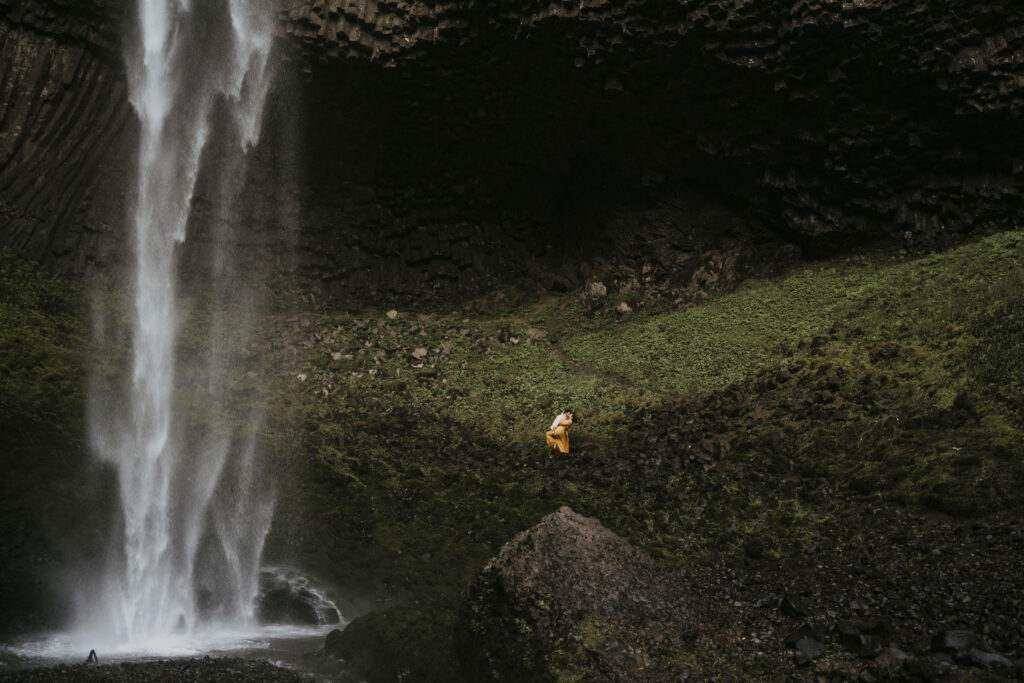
[194,670]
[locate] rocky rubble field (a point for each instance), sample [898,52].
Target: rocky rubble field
[938,607]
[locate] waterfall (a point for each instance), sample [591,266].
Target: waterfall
[194,515]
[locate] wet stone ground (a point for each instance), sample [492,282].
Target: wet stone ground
[206,669]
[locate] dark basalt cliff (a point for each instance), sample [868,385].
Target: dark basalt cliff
[830,119]
[419,149]
[63,115]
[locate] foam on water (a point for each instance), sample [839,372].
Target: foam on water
[72,648]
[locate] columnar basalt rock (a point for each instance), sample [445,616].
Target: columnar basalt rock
[452,140]
[834,120]
[65,116]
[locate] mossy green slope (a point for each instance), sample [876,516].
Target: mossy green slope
[888,376]
[47,503]
[935,326]
[410,446]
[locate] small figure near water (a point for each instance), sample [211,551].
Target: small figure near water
[558,435]
[92,658]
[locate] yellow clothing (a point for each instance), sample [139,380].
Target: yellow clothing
[558,438]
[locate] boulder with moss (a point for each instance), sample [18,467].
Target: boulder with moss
[568,597]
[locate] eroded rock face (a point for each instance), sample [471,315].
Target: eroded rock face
[423,151]
[65,121]
[836,121]
[570,595]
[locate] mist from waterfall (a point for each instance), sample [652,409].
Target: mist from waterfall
[195,512]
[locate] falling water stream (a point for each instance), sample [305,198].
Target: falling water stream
[191,60]
[195,511]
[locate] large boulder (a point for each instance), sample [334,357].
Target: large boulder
[570,598]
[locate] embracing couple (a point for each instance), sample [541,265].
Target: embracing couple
[558,435]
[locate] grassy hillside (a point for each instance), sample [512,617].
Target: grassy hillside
[743,426]
[918,339]
[409,445]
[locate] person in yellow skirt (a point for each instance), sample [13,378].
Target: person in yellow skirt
[558,435]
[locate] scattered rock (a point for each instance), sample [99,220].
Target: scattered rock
[953,641]
[795,605]
[890,660]
[808,649]
[989,660]
[622,308]
[925,668]
[595,290]
[419,353]
[536,333]
[860,644]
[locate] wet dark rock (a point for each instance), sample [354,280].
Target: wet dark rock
[282,606]
[860,644]
[814,629]
[287,597]
[989,660]
[927,668]
[333,644]
[808,649]
[390,645]
[890,660]
[953,641]
[795,605]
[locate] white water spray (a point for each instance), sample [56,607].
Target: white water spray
[180,490]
